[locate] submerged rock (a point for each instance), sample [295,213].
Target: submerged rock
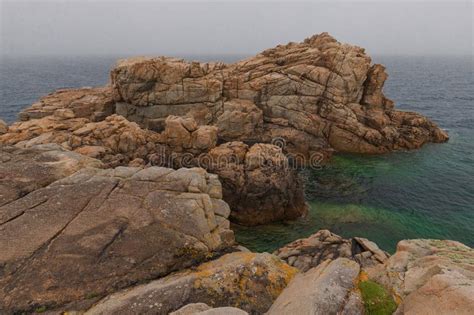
[97,231]
[247,281]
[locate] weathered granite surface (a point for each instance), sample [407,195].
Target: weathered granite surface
[247,281]
[97,231]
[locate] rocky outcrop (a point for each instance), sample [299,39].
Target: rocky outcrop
[308,98]
[115,140]
[307,253]
[429,277]
[25,170]
[330,288]
[92,103]
[327,92]
[97,231]
[247,281]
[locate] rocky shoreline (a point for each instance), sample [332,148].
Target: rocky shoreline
[118,199]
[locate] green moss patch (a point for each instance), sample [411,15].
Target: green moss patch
[377,301]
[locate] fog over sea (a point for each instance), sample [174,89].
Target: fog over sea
[426,193]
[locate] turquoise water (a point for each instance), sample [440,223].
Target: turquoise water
[422,193]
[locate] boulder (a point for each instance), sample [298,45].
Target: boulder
[258,183]
[429,277]
[97,231]
[307,253]
[330,288]
[247,281]
[328,90]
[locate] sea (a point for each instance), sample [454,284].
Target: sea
[425,193]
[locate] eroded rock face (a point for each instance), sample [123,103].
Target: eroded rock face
[429,277]
[307,253]
[247,281]
[97,231]
[330,288]
[328,91]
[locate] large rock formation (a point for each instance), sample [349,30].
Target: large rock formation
[321,90]
[97,231]
[248,281]
[429,277]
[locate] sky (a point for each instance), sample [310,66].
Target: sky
[227,27]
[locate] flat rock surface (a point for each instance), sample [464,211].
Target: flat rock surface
[248,281]
[97,231]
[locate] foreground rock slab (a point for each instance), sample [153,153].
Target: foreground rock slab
[326,289]
[248,281]
[430,277]
[97,231]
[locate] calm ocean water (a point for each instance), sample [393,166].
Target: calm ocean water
[426,193]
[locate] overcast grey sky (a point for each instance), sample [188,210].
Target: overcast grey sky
[225,27]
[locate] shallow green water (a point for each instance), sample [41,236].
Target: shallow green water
[426,193]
